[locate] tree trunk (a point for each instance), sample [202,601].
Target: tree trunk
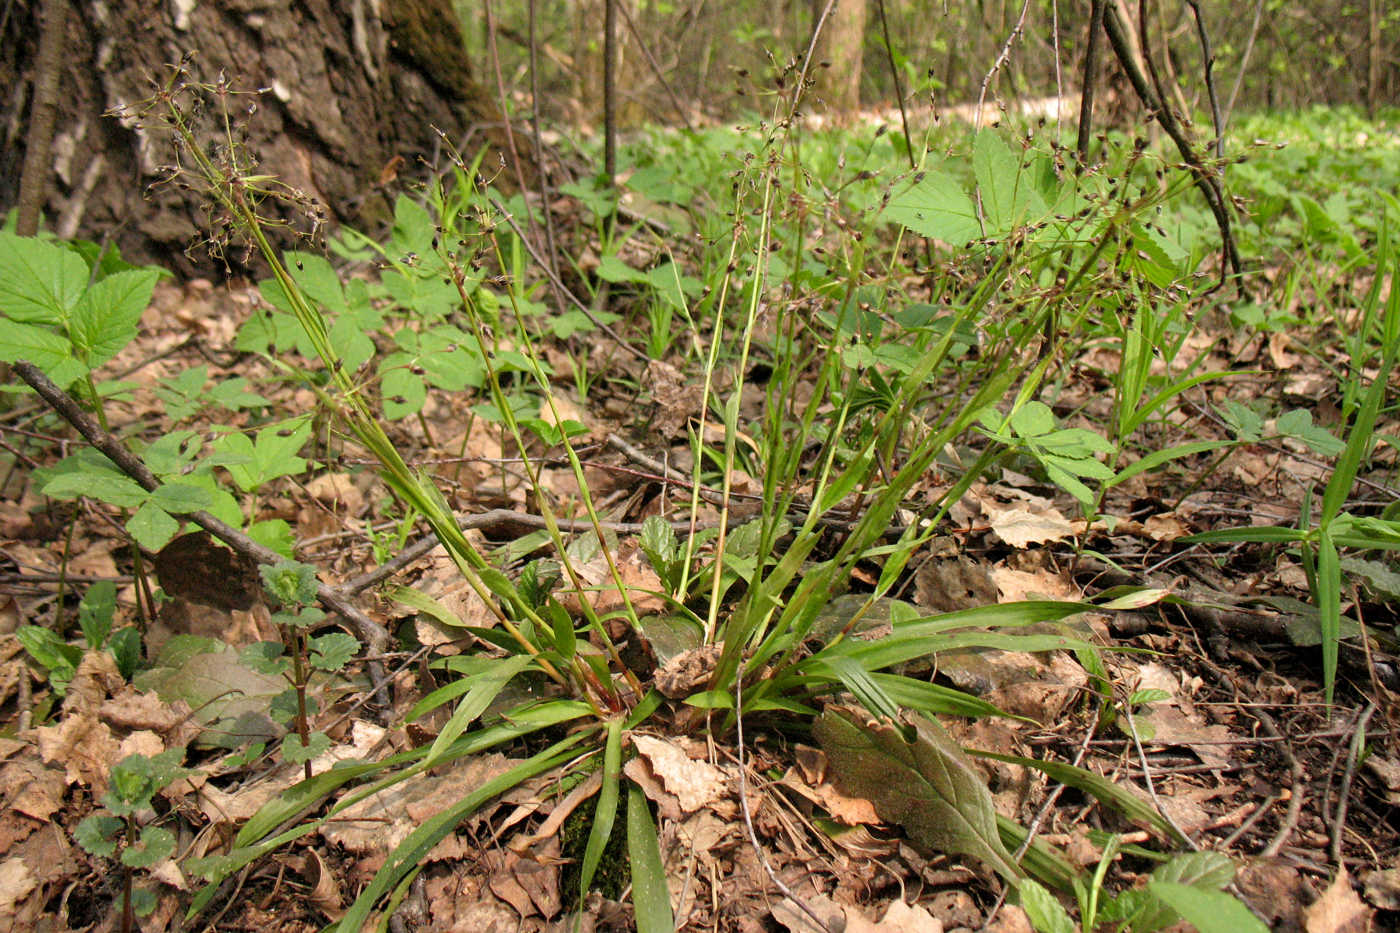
[842,45]
[353,93]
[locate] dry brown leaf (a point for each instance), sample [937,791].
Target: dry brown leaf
[1165,527]
[338,488]
[1016,585]
[695,784]
[1021,527]
[1338,910]
[642,584]
[949,584]
[16,883]
[30,788]
[84,746]
[852,811]
[899,917]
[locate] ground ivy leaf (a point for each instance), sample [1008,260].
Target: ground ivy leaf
[295,752]
[927,785]
[157,844]
[329,652]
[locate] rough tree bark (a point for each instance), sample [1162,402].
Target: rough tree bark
[355,91]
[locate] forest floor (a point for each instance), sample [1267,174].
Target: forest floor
[1218,722]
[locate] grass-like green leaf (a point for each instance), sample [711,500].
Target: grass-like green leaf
[605,812]
[651,899]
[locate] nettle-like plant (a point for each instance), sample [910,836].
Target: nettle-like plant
[298,656]
[125,828]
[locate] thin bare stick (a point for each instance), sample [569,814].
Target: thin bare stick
[997,65]
[373,633]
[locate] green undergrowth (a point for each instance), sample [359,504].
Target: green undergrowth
[907,321]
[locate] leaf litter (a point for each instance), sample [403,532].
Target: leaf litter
[822,819]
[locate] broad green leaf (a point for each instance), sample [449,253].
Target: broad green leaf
[98,834]
[294,751]
[40,282]
[96,611]
[1208,911]
[105,318]
[651,899]
[181,498]
[111,488]
[1009,198]
[49,351]
[936,206]
[317,279]
[926,784]
[48,649]
[1046,913]
[331,651]
[1202,870]
[151,526]
[155,845]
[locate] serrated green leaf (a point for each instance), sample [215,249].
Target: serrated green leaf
[96,611]
[1208,911]
[1045,912]
[154,845]
[48,649]
[152,527]
[40,282]
[331,651]
[297,753]
[936,206]
[98,834]
[925,785]
[105,318]
[49,351]
[111,488]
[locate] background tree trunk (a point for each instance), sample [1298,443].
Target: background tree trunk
[842,45]
[352,87]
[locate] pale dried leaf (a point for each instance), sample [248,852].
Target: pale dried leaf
[694,783]
[1021,527]
[1338,910]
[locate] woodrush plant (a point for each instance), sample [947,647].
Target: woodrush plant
[774,660]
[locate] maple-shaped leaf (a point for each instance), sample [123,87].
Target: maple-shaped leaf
[926,785]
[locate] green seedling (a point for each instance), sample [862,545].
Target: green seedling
[124,829]
[95,616]
[293,587]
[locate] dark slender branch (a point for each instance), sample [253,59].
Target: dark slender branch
[1209,186]
[1208,57]
[373,633]
[1244,60]
[898,85]
[610,90]
[653,64]
[1086,92]
[550,247]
